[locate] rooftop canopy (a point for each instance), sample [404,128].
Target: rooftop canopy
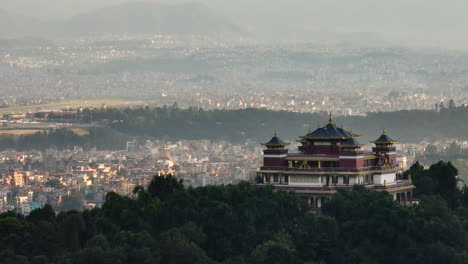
[384,139]
[330,131]
[275,141]
[351,142]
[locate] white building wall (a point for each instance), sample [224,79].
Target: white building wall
[353,180]
[305,181]
[379,179]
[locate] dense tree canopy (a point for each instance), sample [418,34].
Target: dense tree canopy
[257,124]
[100,137]
[439,179]
[168,223]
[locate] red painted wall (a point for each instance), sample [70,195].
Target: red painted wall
[328,150]
[275,162]
[351,163]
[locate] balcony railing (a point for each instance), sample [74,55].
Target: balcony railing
[322,169]
[324,186]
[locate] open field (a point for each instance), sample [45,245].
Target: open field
[71,104]
[80,131]
[19,132]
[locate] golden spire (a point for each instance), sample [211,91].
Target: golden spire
[310,129]
[276,132]
[384,132]
[330,118]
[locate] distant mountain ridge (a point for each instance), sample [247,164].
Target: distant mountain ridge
[138,18]
[143,17]
[16,25]
[417,22]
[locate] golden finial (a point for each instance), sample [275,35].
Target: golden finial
[384,132]
[276,132]
[409,178]
[330,118]
[310,129]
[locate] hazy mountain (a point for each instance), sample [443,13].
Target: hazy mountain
[421,22]
[150,18]
[13,25]
[146,18]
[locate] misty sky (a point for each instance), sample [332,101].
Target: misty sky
[419,22]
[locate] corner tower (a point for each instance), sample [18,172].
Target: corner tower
[385,150]
[351,153]
[275,153]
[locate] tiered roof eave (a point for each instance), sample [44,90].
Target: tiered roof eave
[352,143]
[384,139]
[275,141]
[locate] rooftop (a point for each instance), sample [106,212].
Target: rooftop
[275,141]
[384,138]
[329,131]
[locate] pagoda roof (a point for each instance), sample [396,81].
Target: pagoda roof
[275,141]
[352,142]
[384,139]
[330,131]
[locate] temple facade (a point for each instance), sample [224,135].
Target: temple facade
[331,158]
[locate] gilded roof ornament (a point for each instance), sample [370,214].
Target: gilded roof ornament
[275,141]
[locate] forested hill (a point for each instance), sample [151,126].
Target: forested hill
[258,124]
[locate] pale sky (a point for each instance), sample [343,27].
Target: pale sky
[419,22]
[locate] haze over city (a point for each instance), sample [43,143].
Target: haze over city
[429,23]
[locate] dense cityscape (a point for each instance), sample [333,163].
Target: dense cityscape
[200,72]
[204,73]
[56,173]
[32,179]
